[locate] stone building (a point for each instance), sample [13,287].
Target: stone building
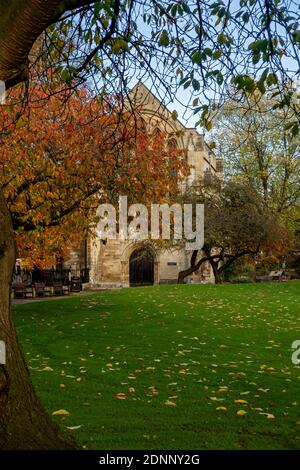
[115,263]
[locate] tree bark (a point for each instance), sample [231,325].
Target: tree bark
[194,267]
[21,23]
[23,422]
[216,272]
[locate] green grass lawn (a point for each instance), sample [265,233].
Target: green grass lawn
[163,367]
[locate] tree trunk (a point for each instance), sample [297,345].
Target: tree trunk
[194,267]
[23,422]
[186,272]
[214,265]
[21,23]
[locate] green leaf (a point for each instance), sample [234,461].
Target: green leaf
[174,115]
[197,57]
[246,17]
[164,39]
[119,45]
[261,45]
[217,54]
[256,57]
[272,79]
[173,10]
[196,84]
[65,76]
[219,78]
[186,8]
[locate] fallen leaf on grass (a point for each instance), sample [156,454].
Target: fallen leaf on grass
[170,403]
[241,412]
[60,413]
[268,415]
[120,396]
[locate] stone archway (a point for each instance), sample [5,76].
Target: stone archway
[125,262]
[141,268]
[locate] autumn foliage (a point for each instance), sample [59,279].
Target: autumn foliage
[63,155]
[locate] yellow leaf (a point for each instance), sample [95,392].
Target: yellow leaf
[241,412]
[60,413]
[241,402]
[170,403]
[221,408]
[223,389]
[268,415]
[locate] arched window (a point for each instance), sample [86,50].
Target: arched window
[172,144]
[141,124]
[156,132]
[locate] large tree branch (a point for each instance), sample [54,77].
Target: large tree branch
[25,185]
[106,37]
[54,221]
[214,261]
[21,23]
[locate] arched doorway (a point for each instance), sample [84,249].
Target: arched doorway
[141,268]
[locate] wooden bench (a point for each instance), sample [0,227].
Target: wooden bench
[19,291]
[39,289]
[76,285]
[58,288]
[276,275]
[272,276]
[66,289]
[29,292]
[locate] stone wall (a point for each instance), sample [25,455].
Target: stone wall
[109,261]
